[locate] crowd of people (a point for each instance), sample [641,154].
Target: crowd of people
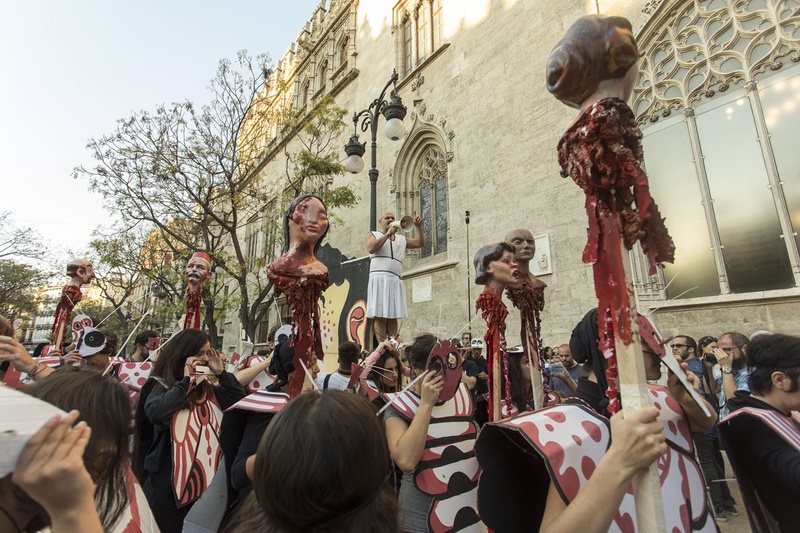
[325,461]
[429,435]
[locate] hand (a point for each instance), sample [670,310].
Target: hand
[725,360]
[73,358]
[215,363]
[15,353]
[188,366]
[432,385]
[417,220]
[391,230]
[636,441]
[50,468]
[676,388]
[384,345]
[483,375]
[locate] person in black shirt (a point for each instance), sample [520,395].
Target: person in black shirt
[762,434]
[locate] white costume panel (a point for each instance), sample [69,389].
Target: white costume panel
[386,293]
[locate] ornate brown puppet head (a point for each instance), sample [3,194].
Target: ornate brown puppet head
[596,48]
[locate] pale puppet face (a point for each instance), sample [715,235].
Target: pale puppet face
[524,244]
[308,222]
[504,270]
[197,271]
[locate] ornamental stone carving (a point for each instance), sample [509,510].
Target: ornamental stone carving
[693,49]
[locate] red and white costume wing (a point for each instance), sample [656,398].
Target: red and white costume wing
[263,379]
[556,429]
[448,469]
[16,379]
[262,402]
[137,517]
[196,453]
[573,439]
[135,374]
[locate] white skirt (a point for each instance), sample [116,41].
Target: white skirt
[386,296]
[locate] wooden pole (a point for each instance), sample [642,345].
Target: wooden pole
[497,392]
[536,377]
[635,396]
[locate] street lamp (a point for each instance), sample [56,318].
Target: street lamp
[394,111]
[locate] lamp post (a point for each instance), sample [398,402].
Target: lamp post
[394,111]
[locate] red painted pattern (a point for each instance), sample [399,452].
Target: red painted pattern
[196,453]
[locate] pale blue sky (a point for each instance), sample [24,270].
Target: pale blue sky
[71,68]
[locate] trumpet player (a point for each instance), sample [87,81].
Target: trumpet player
[386,295]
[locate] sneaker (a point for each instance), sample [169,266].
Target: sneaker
[731,510]
[720,515]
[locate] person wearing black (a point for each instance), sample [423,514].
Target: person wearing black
[176,396]
[762,437]
[242,429]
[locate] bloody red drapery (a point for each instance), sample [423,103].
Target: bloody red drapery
[302,294]
[494,312]
[602,153]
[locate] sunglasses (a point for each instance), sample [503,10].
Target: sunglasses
[673,346]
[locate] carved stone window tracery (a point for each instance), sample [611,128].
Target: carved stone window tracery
[728,66]
[702,47]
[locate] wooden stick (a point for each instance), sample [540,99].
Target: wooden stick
[635,396]
[536,377]
[497,393]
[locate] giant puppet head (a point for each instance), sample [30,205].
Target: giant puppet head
[495,264]
[198,269]
[80,271]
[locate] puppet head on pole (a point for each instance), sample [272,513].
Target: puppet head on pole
[495,265]
[597,54]
[198,269]
[302,278]
[81,272]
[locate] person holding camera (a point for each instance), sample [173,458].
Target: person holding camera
[685,349]
[386,293]
[565,372]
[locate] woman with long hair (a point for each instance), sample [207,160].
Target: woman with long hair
[103,405]
[383,372]
[177,419]
[323,465]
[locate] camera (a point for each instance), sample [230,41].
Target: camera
[711,358]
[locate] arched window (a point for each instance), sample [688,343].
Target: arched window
[422,185]
[343,51]
[432,186]
[304,93]
[323,75]
[718,101]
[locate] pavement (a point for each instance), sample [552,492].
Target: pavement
[735,524]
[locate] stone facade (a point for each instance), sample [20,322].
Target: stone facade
[480,97]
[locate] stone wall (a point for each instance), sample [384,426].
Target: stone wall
[486,93]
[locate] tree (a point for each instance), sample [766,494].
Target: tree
[20,242]
[193,174]
[18,284]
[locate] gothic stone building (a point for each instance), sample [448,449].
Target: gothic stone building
[718,98]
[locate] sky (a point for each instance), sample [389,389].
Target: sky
[71,69]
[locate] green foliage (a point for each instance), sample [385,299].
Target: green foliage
[18,283]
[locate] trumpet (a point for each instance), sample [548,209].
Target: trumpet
[405,224]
